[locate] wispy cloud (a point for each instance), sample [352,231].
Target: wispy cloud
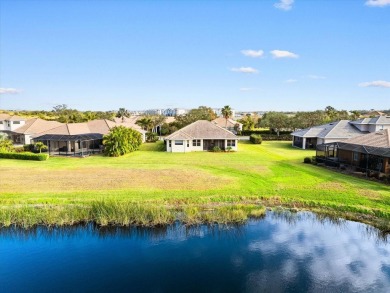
[253,53]
[283,54]
[287,4]
[378,3]
[246,89]
[313,76]
[245,70]
[376,83]
[291,80]
[9,91]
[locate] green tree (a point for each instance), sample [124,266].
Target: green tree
[355,115]
[40,146]
[275,121]
[6,144]
[121,140]
[248,122]
[226,113]
[122,113]
[146,123]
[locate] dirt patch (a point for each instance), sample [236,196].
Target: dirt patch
[108,178]
[331,186]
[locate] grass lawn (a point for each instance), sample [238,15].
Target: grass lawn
[270,174]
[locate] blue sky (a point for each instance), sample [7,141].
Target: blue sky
[252,55]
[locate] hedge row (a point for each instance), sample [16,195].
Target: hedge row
[268,137]
[256,138]
[25,156]
[262,132]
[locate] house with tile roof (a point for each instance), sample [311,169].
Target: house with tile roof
[366,153]
[23,134]
[9,123]
[309,138]
[201,135]
[74,139]
[228,124]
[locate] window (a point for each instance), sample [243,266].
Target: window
[16,122]
[178,142]
[231,143]
[355,156]
[196,142]
[188,143]
[1,122]
[170,143]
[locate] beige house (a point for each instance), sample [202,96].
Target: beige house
[228,124]
[201,135]
[78,139]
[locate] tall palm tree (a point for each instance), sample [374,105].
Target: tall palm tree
[122,113]
[146,123]
[226,113]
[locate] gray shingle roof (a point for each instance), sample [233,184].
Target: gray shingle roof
[375,120]
[340,129]
[376,143]
[201,129]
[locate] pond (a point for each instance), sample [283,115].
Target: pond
[283,252]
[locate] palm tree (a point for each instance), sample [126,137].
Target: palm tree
[40,146]
[226,113]
[145,122]
[122,113]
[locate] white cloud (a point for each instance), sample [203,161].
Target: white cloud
[9,91]
[246,89]
[291,80]
[377,3]
[287,4]
[245,70]
[312,76]
[283,54]
[253,53]
[376,83]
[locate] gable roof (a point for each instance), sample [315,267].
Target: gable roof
[376,143]
[11,117]
[94,128]
[339,129]
[201,129]
[376,139]
[36,125]
[220,121]
[375,120]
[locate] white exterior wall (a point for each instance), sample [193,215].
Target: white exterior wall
[11,125]
[185,148]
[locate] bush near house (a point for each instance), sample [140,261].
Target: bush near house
[256,138]
[307,160]
[121,140]
[24,156]
[151,137]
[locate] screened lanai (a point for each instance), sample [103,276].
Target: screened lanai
[72,145]
[367,154]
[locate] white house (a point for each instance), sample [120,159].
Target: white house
[201,135]
[10,122]
[372,124]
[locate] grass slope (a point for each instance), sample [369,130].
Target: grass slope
[69,190]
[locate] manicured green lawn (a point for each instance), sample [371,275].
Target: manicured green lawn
[270,174]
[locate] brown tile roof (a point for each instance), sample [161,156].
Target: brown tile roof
[202,129]
[220,121]
[101,126]
[36,125]
[11,117]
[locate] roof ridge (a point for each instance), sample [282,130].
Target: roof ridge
[67,127]
[334,126]
[36,119]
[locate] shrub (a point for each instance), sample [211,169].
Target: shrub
[217,149]
[24,156]
[307,160]
[264,132]
[256,138]
[121,140]
[6,145]
[29,147]
[151,137]
[229,149]
[19,149]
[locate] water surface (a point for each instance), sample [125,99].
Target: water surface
[280,253]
